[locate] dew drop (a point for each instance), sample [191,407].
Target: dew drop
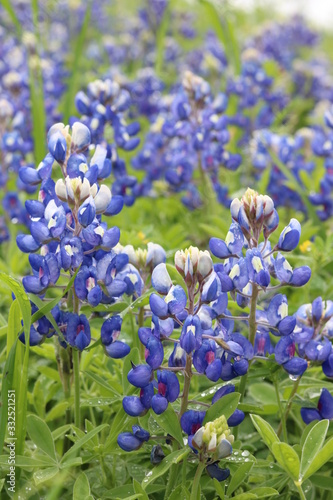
[236,453]
[293,377]
[245,453]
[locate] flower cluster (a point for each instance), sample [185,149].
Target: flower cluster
[248,275]
[66,226]
[188,135]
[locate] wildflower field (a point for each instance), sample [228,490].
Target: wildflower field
[166,245]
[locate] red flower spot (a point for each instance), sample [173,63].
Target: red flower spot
[195,428]
[210,356]
[162,388]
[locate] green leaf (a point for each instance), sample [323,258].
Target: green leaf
[138,489]
[263,392]
[7,384]
[306,432]
[81,487]
[101,382]
[71,462]
[82,441]
[7,4]
[322,482]
[57,411]
[60,431]
[21,369]
[265,430]
[313,444]
[239,476]
[168,420]
[260,492]
[324,455]
[14,324]
[223,30]
[174,458]
[287,457]
[45,474]
[219,488]
[28,462]
[224,406]
[41,435]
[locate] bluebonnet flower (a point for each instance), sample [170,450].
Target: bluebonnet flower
[78,331]
[65,223]
[131,441]
[313,331]
[246,277]
[189,134]
[324,408]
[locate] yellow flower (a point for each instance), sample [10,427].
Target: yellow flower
[305,246]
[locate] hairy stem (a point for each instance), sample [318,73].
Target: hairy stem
[76,367]
[196,481]
[300,491]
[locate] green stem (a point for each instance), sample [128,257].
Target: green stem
[252,334]
[187,383]
[140,324]
[288,407]
[76,369]
[300,491]
[196,481]
[253,310]
[282,416]
[63,357]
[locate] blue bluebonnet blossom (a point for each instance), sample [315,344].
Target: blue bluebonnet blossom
[324,409]
[188,135]
[322,148]
[66,225]
[284,41]
[313,333]
[130,441]
[190,317]
[254,90]
[268,149]
[249,265]
[105,102]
